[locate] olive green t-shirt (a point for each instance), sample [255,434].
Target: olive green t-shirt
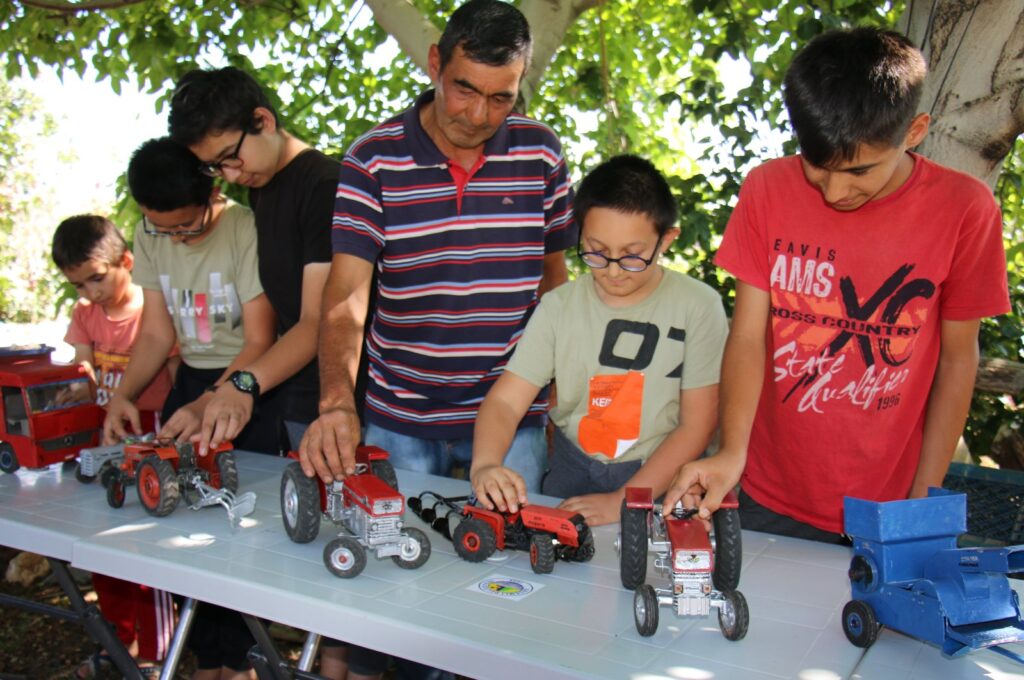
[620,371]
[204,285]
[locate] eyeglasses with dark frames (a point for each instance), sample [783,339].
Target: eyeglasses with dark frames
[180,230]
[232,161]
[629,263]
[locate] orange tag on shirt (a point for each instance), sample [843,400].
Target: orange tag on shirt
[612,423]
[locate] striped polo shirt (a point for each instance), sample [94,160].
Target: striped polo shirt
[459,257]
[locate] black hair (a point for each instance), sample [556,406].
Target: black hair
[215,101]
[852,87]
[490,32]
[164,175]
[628,184]
[87,237]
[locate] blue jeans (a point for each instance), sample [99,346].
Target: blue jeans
[528,454]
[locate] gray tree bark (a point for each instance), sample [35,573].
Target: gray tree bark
[975,89]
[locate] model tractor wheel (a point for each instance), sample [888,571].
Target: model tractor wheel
[860,623]
[386,471]
[115,488]
[8,460]
[645,610]
[633,546]
[228,470]
[542,553]
[474,540]
[158,486]
[300,504]
[81,477]
[415,553]
[734,615]
[728,549]
[344,557]
[107,473]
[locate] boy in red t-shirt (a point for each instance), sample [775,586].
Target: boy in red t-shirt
[94,257]
[862,273]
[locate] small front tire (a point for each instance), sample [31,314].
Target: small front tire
[115,488]
[860,623]
[413,556]
[734,615]
[8,459]
[542,554]
[645,610]
[344,557]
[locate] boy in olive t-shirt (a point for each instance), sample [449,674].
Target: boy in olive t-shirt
[634,348]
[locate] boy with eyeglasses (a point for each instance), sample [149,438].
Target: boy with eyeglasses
[195,258]
[634,348]
[226,119]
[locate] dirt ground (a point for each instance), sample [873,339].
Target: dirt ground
[36,647]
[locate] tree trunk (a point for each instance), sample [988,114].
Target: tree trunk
[975,88]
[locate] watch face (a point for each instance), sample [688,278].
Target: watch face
[244,380]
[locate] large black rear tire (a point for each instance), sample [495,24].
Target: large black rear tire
[228,469]
[633,546]
[158,486]
[300,504]
[728,549]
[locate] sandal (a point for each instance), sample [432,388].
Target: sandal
[94,666]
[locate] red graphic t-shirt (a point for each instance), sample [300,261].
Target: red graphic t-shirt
[857,301]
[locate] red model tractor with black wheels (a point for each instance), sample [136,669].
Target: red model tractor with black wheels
[165,471]
[550,534]
[703,568]
[368,506]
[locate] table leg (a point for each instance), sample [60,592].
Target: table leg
[268,663]
[309,649]
[185,616]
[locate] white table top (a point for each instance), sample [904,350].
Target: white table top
[577,624]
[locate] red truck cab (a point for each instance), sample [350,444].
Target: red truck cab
[47,410]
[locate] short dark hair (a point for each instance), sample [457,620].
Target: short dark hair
[214,101]
[628,184]
[164,175]
[490,32]
[852,87]
[87,237]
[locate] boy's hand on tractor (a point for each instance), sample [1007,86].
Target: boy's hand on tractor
[185,422]
[703,483]
[228,411]
[119,410]
[596,508]
[499,487]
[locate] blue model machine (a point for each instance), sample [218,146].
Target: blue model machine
[907,573]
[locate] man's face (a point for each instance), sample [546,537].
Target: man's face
[472,99]
[873,173]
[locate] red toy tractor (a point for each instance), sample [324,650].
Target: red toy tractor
[47,410]
[165,471]
[549,534]
[367,504]
[704,570]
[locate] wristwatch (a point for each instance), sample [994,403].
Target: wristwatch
[244,381]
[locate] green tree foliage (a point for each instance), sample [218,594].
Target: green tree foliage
[650,74]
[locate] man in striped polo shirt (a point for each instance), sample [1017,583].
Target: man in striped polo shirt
[464,207]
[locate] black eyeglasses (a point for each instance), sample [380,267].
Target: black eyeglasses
[178,230]
[629,263]
[232,160]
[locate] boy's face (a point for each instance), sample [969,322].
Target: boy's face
[246,158]
[102,283]
[873,173]
[615,234]
[186,225]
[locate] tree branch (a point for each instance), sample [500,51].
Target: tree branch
[69,7]
[406,24]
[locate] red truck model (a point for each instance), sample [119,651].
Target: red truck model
[165,471]
[704,570]
[368,506]
[47,409]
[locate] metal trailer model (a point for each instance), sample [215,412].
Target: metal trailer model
[47,410]
[367,505]
[907,573]
[165,471]
[703,569]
